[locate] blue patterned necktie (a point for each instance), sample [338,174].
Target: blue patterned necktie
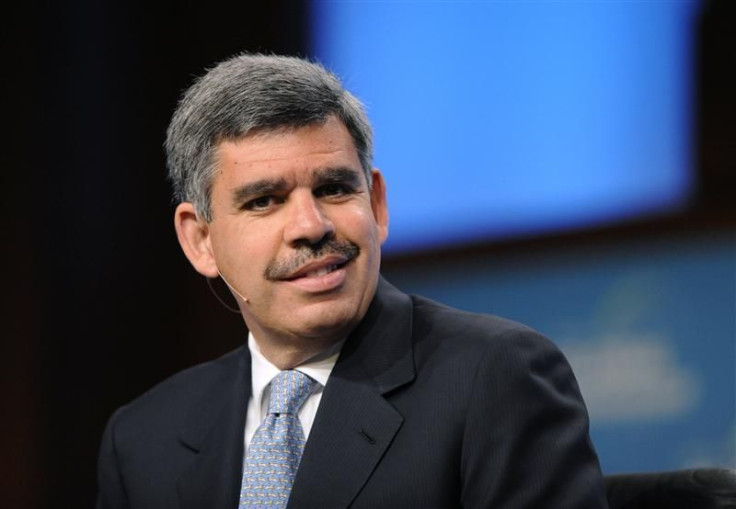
[276,448]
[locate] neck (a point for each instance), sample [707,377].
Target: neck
[294,351]
[287,360]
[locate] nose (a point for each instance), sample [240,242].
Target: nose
[306,222]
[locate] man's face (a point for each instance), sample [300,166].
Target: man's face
[296,230]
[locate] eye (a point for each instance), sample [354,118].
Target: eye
[260,204]
[333,190]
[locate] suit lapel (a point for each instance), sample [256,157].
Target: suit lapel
[214,432]
[355,424]
[352,430]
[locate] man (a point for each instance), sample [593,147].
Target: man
[400,402]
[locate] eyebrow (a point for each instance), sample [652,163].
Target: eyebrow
[337,174]
[258,188]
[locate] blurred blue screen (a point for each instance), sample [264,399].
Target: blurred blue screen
[500,119]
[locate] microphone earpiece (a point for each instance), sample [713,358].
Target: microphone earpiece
[245,299]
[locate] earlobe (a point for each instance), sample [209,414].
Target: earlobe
[379,204]
[193,235]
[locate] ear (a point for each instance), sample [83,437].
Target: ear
[379,205]
[194,238]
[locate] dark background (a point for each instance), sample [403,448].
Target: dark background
[101,304]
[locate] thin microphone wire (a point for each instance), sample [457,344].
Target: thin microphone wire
[245,299]
[226,305]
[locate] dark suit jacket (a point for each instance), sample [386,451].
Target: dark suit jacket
[426,407]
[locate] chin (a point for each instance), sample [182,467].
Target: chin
[329,323]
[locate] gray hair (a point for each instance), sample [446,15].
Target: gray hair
[252,92]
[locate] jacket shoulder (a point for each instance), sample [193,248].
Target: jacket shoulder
[169,401]
[432,319]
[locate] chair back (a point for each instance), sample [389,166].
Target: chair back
[701,488]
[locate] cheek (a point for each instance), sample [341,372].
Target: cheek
[236,254]
[250,239]
[359,222]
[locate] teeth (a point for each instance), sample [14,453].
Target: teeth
[321,272]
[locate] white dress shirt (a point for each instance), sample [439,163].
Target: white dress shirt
[262,372]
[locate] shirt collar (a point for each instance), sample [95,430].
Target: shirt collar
[263,371]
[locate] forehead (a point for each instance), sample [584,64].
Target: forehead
[293,150]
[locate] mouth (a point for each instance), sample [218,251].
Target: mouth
[318,268]
[320,277]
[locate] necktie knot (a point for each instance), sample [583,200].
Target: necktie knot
[289,390]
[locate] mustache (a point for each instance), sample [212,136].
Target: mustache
[281,269]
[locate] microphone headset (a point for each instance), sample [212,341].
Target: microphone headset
[245,299]
[225,304]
